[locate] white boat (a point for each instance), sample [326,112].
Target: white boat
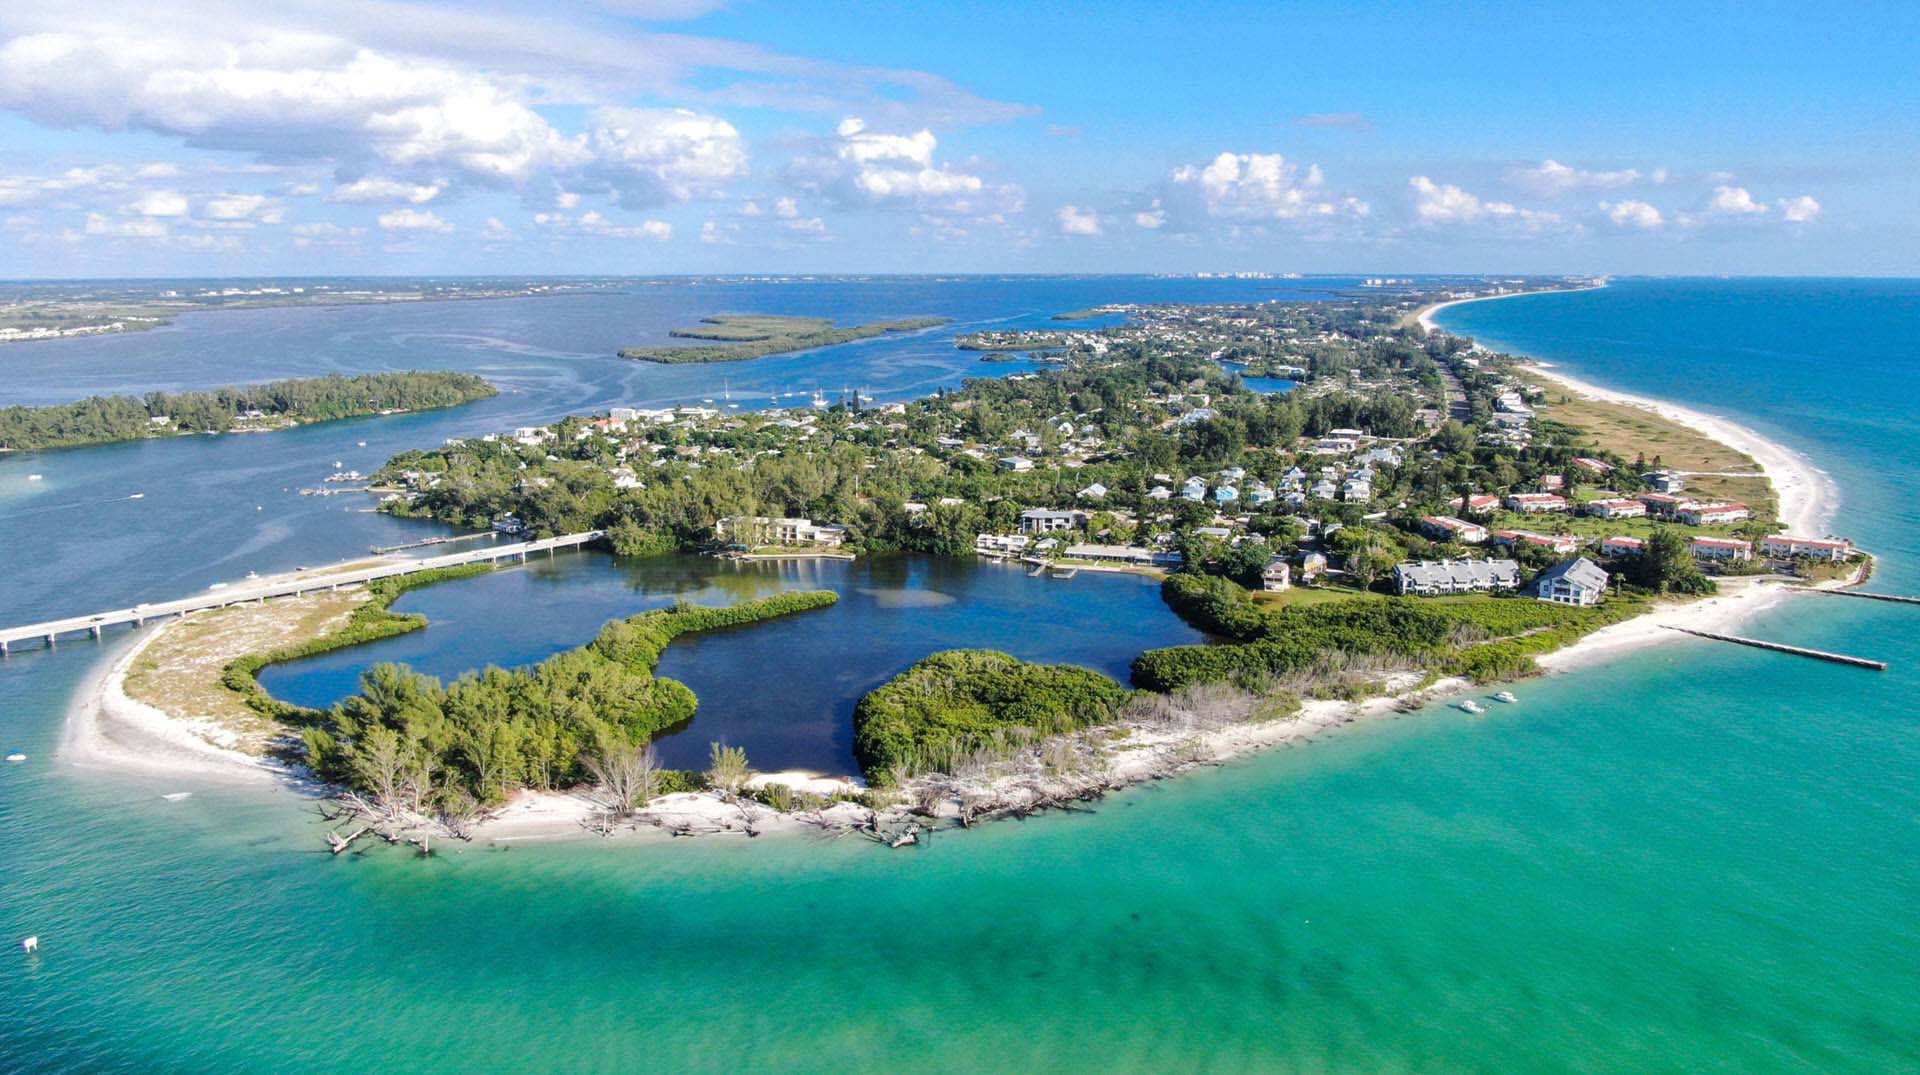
[360,444]
[1505,696]
[136,496]
[33,477]
[1472,706]
[16,756]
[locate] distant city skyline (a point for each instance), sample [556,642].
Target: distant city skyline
[644,137]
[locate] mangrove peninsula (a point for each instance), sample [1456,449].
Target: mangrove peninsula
[746,336]
[253,408]
[1359,513]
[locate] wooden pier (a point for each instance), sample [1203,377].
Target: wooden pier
[383,550]
[1894,597]
[1781,647]
[289,585]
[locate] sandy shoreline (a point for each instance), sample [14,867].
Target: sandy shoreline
[1425,317]
[110,730]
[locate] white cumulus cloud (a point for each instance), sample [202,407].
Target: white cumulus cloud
[1551,177]
[1444,203]
[1258,187]
[385,190]
[1734,201]
[1799,210]
[414,220]
[1628,213]
[1074,220]
[860,167]
[160,203]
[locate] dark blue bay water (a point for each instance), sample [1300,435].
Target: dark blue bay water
[1697,858]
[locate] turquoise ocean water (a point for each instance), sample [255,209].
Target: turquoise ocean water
[1698,858]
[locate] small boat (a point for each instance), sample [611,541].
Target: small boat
[253,574]
[136,496]
[1472,706]
[176,796]
[218,586]
[338,463]
[1505,696]
[33,477]
[16,756]
[360,444]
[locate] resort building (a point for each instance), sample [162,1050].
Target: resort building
[1615,508]
[1706,548]
[767,530]
[1713,514]
[1575,582]
[1429,578]
[1532,503]
[1595,466]
[1560,543]
[1662,504]
[1794,548]
[1042,521]
[1448,528]
[1477,505]
[1622,546]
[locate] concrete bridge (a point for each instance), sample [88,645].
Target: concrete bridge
[288,585]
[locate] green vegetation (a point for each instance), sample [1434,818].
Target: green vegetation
[999,356]
[1667,565]
[411,742]
[956,703]
[107,419]
[1483,638]
[758,335]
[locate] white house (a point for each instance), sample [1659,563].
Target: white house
[1043,521]
[1015,463]
[1578,581]
[1615,508]
[1096,491]
[769,530]
[1276,576]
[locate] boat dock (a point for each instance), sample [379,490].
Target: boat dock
[289,585]
[383,550]
[1781,647]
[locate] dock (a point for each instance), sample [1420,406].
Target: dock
[383,550]
[1902,599]
[289,585]
[1781,647]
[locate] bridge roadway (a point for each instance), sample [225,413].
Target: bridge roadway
[288,585]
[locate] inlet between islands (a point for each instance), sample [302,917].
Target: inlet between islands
[107,729]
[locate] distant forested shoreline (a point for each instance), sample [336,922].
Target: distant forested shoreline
[747,336]
[111,419]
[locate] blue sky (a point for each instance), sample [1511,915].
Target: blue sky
[690,136]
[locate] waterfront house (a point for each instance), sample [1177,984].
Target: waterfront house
[1448,528]
[1016,463]
[1578,581]
[1096,491]
[1226,494]
[1431,578]
[1721,549]
[1131,555]
[1259,495]
[1000,544]
[509,525]
[1615,508]
[754,530]
[1356,489]
[1533,503]
[1044,521]
[1713,514]
[1622,546]
[1794,548]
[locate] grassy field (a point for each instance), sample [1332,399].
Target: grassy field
[180,672]
[1632,431]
